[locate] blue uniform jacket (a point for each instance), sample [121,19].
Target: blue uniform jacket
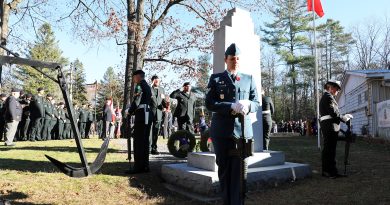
[222,92]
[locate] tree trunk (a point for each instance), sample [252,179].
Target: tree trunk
[129,85]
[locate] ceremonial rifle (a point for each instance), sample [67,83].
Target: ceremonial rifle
[86,169]
[349,138]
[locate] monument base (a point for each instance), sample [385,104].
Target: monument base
[264,169]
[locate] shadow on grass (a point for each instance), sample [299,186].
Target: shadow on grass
[12,196]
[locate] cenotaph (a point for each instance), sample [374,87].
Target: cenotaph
[198,178]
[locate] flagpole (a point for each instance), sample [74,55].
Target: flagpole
[316,79]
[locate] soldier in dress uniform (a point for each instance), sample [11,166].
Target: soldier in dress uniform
[268,111]
[142,121]
[229,95]
[12,115]
[185,109]
[25,123]
[3,97]
[67,127]
[83,120]
[37,114]
[330,127]
[156,106]
[61,121]
[90,121]
[48,106]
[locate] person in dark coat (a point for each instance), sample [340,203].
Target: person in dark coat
[3,97]
[67,126]
[108,120]
[142,122]
[157,105]
[12,115]
[25,122]
[330,127]
[61,120]
[37,114]
[49,115]
[229,95]
[90,121]
[185,109]
[268,111]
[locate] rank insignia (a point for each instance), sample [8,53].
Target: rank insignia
[222,96]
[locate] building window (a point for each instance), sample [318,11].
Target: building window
[359,99]
[366,95]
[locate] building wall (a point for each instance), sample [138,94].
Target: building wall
[380,93]
[354,100]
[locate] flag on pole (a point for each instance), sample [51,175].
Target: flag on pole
[317,7]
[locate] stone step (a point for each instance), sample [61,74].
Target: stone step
[204,182]
[206,160]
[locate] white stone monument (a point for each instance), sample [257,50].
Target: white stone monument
[198,178]
[237,27]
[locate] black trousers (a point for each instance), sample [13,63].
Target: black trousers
[329,150]
[228,171]
[2,129]
[141,146]
[267,125]
[36,128]
[184,123]
[153,137]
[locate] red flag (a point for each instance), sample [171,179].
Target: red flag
[317,7]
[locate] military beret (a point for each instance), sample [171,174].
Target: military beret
[186,83]
[61,103]
[138,72]
[2,95]
[335,83]
[39,89]
[49,95]
[15,90]
[155,77]
[232,50]
[28,95]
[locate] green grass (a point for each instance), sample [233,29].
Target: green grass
[27,177]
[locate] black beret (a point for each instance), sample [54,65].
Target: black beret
[155,77]
[49,95]
[137,72]
[335,83]
[2,95]
[186,83]
[28,95]
[39,89]
[14,90]
[61,103]
[232,50]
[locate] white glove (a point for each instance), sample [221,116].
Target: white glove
[236,107]
[347,117]
[244,106]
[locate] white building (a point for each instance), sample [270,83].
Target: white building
[364,94]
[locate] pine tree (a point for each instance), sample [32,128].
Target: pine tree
[335,44]
[287,34]
[78,85]
[109,86]
[46,49]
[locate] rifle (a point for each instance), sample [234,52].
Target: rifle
[129,134]
[348,138]
[245,150]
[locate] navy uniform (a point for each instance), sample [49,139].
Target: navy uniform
[37,114]
[61,121]
[67,126]
[83,118]
[142,121]
[25,123]
[268,111]
[330,127]
[224,91]
[185,109]
[49,115]
[157,105]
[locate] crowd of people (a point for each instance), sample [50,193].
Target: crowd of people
[38,118]
[303,127]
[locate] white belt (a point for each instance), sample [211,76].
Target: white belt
[326,117]
[266,112]
[143,106]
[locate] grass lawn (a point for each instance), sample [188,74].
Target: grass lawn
[27,177]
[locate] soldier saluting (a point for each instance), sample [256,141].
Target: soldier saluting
[142,121]
[230,94]
[330,127]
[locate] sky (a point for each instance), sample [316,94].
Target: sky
[98,58]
